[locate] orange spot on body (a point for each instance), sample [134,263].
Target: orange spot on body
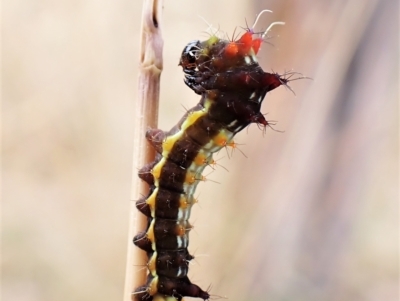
[200,159]
[190,178]
[181,229]
[183,203]
[220,140]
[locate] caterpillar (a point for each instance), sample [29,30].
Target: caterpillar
[232,86]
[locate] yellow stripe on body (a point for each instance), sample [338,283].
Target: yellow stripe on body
[152,287]
[150,234]
[156,170]
[169,143]
[151,201]
[192,118]
[185,204]
[151,265]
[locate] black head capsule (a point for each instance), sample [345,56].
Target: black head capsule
[189,57]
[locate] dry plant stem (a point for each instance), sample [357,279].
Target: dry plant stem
[146,116]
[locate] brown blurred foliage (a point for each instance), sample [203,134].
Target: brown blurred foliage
[308,214]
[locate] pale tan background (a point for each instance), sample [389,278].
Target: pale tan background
[311,214]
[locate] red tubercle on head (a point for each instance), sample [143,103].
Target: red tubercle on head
[231,49]
[243,45]
[246,38]
[247,42]
[257,44]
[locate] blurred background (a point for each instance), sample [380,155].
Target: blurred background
[308,214]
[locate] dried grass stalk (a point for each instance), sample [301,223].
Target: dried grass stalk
[146,116]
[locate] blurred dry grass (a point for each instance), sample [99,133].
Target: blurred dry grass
[311,214]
